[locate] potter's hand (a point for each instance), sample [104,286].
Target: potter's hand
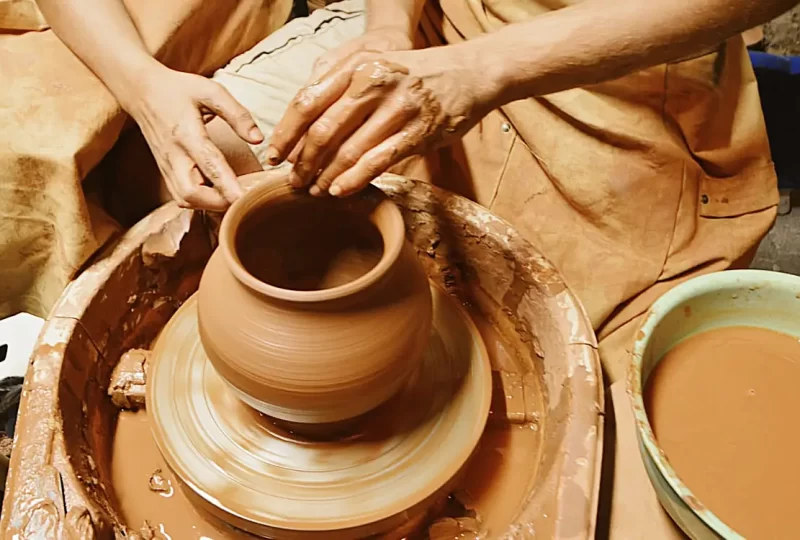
[375,40]
[172,113]
[372,110]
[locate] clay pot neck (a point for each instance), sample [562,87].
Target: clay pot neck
[290,246]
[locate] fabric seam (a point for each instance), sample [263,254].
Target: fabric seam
[299,37]
[683,184]
[503,169]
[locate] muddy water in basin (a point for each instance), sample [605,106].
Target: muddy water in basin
[723,405]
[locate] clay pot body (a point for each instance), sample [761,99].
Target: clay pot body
[315,310]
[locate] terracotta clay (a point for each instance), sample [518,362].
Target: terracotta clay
[399,460]
[315,309]
[135,463]
[127,385]
[719,404]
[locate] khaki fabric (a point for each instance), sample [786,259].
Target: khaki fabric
[265,78]
[651,179]
[628,187]
[21,15]
[57,120]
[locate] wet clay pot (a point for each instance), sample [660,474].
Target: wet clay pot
[315,310]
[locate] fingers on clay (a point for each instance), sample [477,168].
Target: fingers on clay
[381,126]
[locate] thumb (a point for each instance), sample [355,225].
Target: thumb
[219,101]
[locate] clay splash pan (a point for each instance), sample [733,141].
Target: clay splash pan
[534,472]
[714,376]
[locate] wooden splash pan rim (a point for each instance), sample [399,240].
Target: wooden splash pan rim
[43,478]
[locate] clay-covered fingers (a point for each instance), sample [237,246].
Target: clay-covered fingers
[394,115]
[308,105]
[328,132]
[294,154]
[375,162]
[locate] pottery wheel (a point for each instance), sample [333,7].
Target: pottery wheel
[242,467]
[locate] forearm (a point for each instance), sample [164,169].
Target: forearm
[600,40]
[102,34]
[396,14]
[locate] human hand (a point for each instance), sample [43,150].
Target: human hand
[172,110]
[382,39]
[372,110]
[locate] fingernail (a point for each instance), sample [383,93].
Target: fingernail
[256,135]
[335,190]
[295,181]
[272,155]
[315,191]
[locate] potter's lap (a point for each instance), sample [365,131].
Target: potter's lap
[266,78]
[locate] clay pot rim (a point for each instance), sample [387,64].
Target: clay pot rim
[274,188]
[669,302]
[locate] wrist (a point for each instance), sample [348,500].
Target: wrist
[489,77]
[398,35]
[136,81]
[401,16]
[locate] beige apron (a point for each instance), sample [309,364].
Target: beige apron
[628,187]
